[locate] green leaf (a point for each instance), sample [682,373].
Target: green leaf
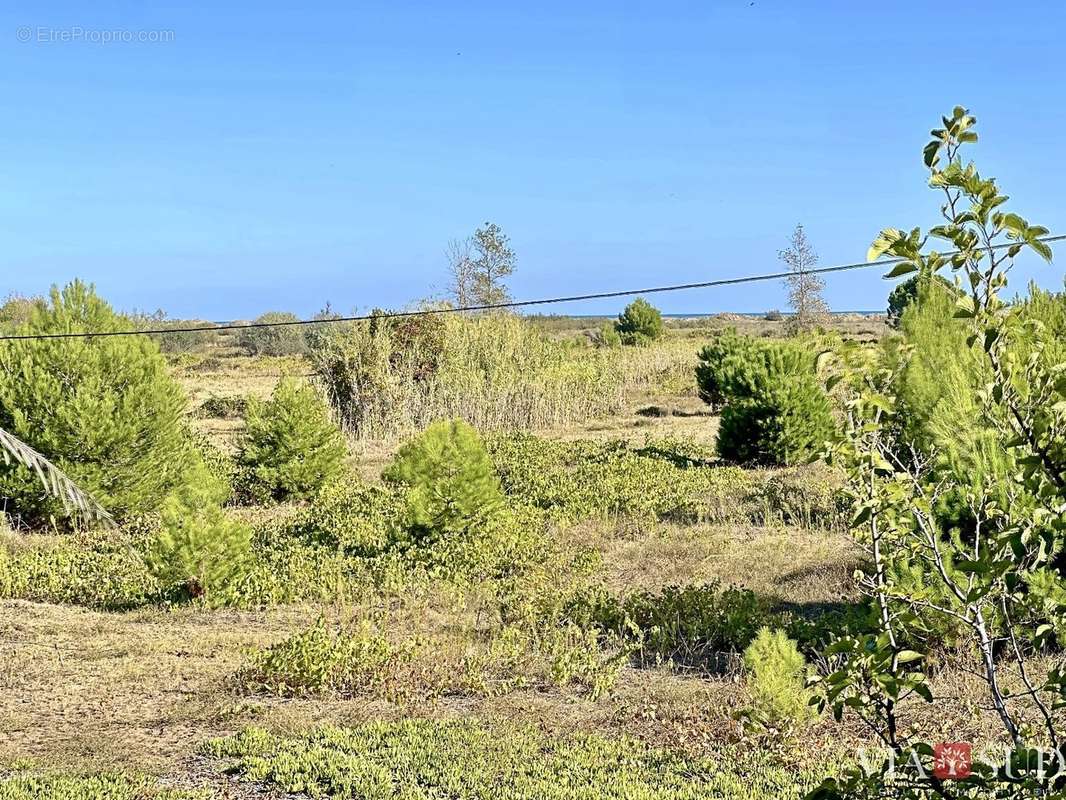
[964,307]
[883,243]
[864,514]
[904,268]
[929,154]
[1043,249]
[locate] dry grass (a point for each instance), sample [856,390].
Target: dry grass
[139,690]
[790,564]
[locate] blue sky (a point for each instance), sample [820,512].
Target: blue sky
[272,156]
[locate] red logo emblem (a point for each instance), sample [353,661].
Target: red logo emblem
[952,760]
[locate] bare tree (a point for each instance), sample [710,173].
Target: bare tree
[493,260]
[804,289]
[459,253]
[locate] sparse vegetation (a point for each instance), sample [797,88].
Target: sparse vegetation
[622,547]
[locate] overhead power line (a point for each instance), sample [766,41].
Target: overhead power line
[422,312]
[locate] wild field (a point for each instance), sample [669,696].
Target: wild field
[591,643]
[642,567]
[442,556]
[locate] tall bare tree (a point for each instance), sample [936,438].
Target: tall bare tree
[804,289]
[459,253]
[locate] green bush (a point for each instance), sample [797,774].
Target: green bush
[321,660]
[281,340]
[939,412]
[470,760]
[907,292]
[290,446]
[98,569]
[640,323]
[607,336]
[776,679]
[726,353]
[199,552]
[689,624]
[452,485]
[105,410]
[774,408]
[352,516]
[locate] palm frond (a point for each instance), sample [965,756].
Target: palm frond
[74,499]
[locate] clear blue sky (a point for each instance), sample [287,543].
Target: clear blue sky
[275,156]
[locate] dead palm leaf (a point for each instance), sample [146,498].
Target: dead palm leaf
[74,499]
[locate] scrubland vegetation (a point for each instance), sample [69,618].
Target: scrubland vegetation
[449,556]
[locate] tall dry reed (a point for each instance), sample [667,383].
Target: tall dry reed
[497,372]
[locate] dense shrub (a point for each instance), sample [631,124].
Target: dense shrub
[906,293]
[607,336]
[776,679]
[352,516]
[664,480]
[727,352]
[774,408]
[452,484]
[405,526]
[280,340]
[199,552]
[582,479]
[939,414]
[182,335]
[104,409]
[290,446]
[640,323]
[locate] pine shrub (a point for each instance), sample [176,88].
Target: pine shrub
[290,447]
[774,410]
[199,553]
[104,409]
[726,353]
[776,678]
[453,487]
[640,323]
